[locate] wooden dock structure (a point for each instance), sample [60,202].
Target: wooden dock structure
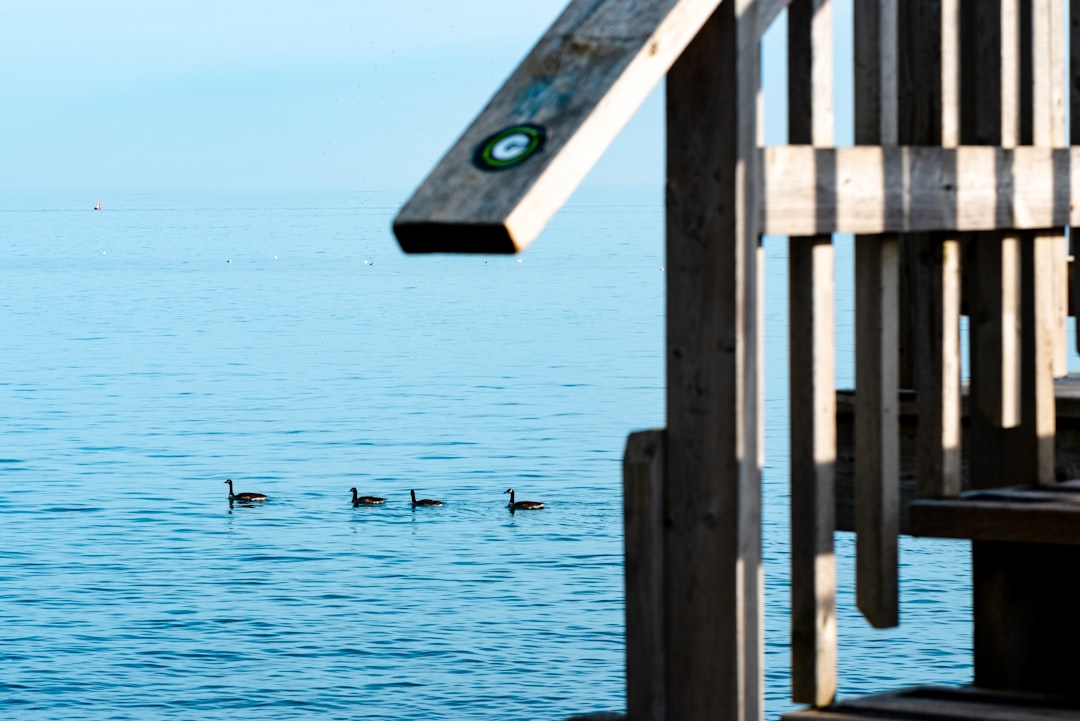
[960,194]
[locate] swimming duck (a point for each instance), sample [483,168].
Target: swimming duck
[423,501]
[247,497]
[522,505]
[365,500]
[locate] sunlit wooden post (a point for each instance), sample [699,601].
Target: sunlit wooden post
[877,333]
[929,116]
[812,385]
[712,531]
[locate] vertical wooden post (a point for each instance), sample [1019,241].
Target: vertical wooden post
[713,584]
[1023,637]
[877,491]
[1045,339]
[989,68]
[643,529]
[1048,122]
[812,377]
[1074,138]
[928,29]
[1025,617]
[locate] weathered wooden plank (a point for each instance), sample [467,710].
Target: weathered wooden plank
[990,79]
[876,336]
[713,586]
[997,518]
[945,704]
[1074,135]
[930,280]
[877,454]
[938,364]
[940,397]
[870,189]
[1032,453]
[643,528]
[569,97]
[1011,90]
[1048,121]
[949,707]
[813,456]
[812,382]
[1066,448]
[950,73]
[1040,342]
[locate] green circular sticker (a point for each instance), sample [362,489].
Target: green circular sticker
[509,147]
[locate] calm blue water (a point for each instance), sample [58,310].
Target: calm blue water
[154,349]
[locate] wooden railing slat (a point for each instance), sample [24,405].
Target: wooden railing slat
[871,189]
[876,336]
[930,279]
[1074,137]
[1048,108]
[811,377]
[643,531]
[582,81]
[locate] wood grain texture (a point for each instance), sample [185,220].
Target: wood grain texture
[950,73]
[937,318]
[1074,135]
[930,278]
[1048,122]
[1066,447]
[989,66]
[812,384]
[643,518]
[877,455]
[713,589]
[870,189]
[1008,514]
[813,459]
[582,81]
[877,452]
[966,703]
[1041,256]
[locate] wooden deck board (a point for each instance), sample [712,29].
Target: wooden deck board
[1028,514]
[944,704]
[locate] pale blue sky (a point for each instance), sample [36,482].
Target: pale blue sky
[134,95]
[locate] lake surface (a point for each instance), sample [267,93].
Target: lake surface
[164,344]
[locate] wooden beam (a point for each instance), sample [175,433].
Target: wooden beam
[954,703]
[989,66]
[811,377]
[872,189]
[713,582]
[1045,322]
[930,277]
[643,527]
[877,454]
[1048,111]
[1074,136]
[541,133]
[1025,514]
